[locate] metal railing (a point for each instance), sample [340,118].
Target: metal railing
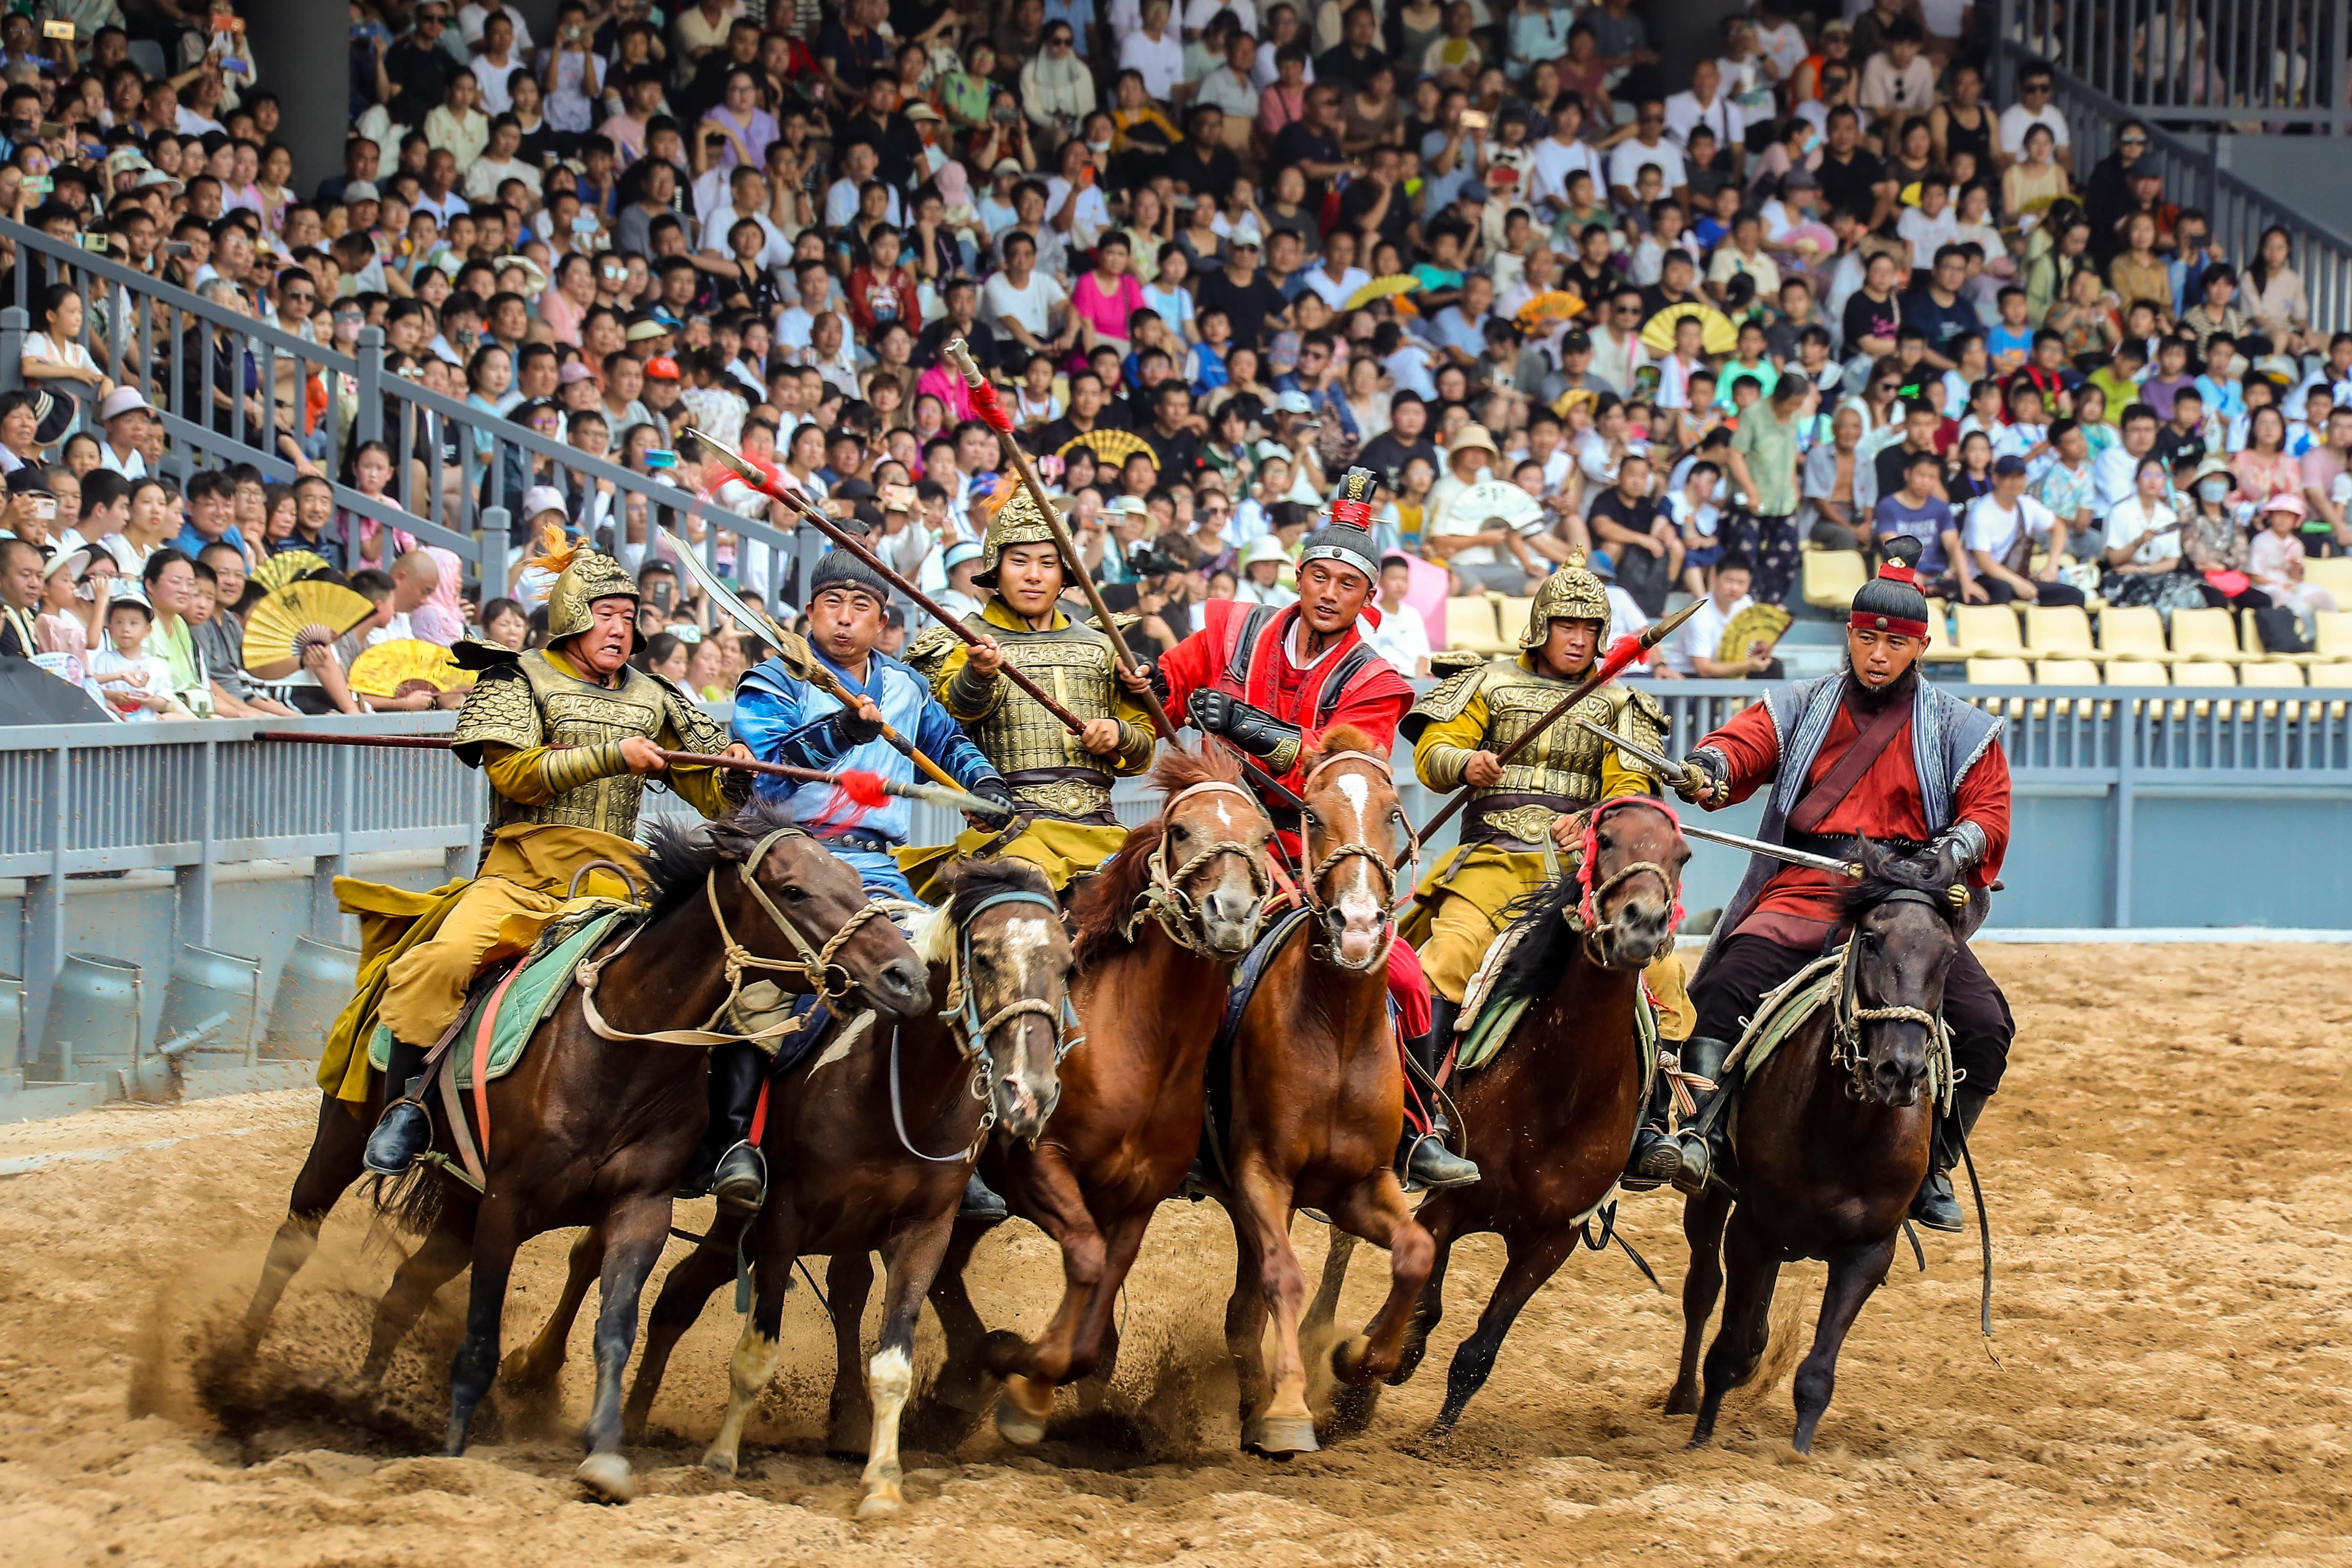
[459,472]
[2241,212]
[2250,65]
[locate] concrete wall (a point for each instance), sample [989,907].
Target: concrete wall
[2305,171]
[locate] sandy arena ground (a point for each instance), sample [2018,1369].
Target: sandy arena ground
[2171,1191]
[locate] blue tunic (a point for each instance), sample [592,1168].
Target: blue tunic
[785,719]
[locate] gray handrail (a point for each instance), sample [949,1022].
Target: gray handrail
[2228,63]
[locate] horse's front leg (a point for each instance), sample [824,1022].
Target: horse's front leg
[1532,1262]
[1375,1210]
[1263,1208]
[685,1291]
[328,1171]
[440,1257]
[1034,1369]
[847,1282]
[535,1367]
[1324,1310]
[913,1259]
[635,1230]
[1854,1273]
[497,1232]
[1751,1266]
[761,1346]
[1703,1218]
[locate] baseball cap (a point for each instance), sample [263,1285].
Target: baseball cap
[661,368]
[1006,166]
[543,498]
[2007,465]
[920,112]
[1293,402]
[960,552]
[1246,233]
[645,331]
[573,374]
[1575,341]
[122,401]
[360,191]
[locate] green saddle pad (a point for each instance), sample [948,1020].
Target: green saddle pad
[546,976]
[1497,1014]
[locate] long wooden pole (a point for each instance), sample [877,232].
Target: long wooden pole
[742,469]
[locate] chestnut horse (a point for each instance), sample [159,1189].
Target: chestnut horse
[597,1121]
[1318,1097]
[1159,932]
[1550,1117]
[1830,1141]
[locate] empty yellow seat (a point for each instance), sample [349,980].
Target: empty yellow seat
[2204,672]
[1833,577]
[1983,672]
[2332,635]
[2065,673]
[2208,636]
[2135,632]
[2336,675]
[2060,631]
[1512,617]
[1470,626]
[2138,673]
[1982,632]
[2333,573]
[2269,673]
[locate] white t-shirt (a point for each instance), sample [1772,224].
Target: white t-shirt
[2017,119]
[1161,64]
[1401,638]
[1554,163]
[1033,305]
[1993,530]
[1336,294]
[1702,634]
[1626,158]
[1684,114]
[2126,522]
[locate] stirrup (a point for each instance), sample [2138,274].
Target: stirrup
[398,1138]
[741,1182]
[1694,1163]
[1430,1166]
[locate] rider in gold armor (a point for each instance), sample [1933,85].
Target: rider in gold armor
[567,734]
[1060,782]
[1518,819]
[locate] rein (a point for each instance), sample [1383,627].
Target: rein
[1310,886]
[830,982]
[973,1031]
[1586,917]
[1164,898]
[1845,1027]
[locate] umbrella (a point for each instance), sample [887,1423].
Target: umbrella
[1550,308]
[1395,283]
[1718,336]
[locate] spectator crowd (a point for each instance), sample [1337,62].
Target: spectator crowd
[1816,290]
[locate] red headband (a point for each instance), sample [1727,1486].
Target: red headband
[1863,620]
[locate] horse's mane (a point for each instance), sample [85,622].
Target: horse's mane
[1348,737]
[1101,906]
[1536,962]
[677,856]
[1885,874]
[972,883]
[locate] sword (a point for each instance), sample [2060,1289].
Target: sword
[797,656]
[1666,768]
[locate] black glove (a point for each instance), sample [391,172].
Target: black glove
[1251,729]
[853,731]
[1153,677]
[1951,857]
[995,790]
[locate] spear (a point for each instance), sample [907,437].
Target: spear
[788,647]
[1627,652]
[865,789]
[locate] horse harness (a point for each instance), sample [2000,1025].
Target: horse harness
[973,1031]
[1845,1023]
[1310,886]
[1585,919]
[1164,898]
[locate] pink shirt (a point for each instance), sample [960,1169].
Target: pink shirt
[1108,312]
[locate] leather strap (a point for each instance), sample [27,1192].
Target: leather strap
[1839,781]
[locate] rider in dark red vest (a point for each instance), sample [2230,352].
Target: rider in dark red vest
[1271,682]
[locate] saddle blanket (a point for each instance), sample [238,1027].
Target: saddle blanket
[1490,1014]
[530,1000]
[1785,1010]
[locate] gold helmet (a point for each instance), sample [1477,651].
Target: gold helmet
[1571,593]
[582,577]
[1016,519]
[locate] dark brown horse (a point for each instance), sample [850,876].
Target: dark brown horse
[594,1127]
[1830,1141]
[1550,1117]
[1159,932]
[1319,1098]
[850,1146]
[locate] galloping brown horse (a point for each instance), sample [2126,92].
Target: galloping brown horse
[1158,933]
[1550,1118]
[1318,1097]
[595,1128]
[1830,1140]
[848,1145]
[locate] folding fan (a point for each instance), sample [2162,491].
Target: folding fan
[273,631]
[1497,501]
[1717,335]
[1759,623]
[1388,287]
[385,669]
[288,565]
[1111,445]
[1551,307]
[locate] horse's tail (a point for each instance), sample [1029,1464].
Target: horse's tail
[412,1200]
[1783,1347]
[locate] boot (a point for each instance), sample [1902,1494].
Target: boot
[1657,1156]
[1423,1161]
[1937,1207]
[740,1179]
[1706,1134]
[980,1202]
[404,1130]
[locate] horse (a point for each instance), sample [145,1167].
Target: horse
[602,1113]
[1317,1097]
[1155,949]
[1549,1119]
[1830,1140]
[846,1147]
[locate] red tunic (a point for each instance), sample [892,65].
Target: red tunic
[1799,906]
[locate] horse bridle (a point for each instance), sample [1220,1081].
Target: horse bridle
[1310,886]
[1164,897]
[973,1031]
[1845,1027]
[1585,919]
[831,981]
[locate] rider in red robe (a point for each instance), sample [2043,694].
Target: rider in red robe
[1272,682]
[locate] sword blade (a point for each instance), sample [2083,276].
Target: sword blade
[1850,870]
[1665,767]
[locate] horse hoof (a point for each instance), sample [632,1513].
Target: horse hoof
[1680,1403]
[883,1501]
[718,1462]
[1280,1434]
[1439,1433]
[1351,1409]
[1348,1359]
[1016,1425]
[607,1478]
